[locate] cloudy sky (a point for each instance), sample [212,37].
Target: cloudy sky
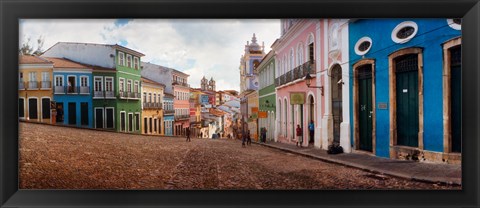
[197,47]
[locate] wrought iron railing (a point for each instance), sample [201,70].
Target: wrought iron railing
[32,85]
[149,105]
[46,84]
[168,111]
[84,90]
[298,72]
[21,85]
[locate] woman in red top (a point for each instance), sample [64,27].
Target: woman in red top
[299,136]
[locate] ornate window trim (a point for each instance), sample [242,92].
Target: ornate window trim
[360,41]
[401,26]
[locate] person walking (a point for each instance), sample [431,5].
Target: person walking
[249,139]
[244,138]
[299,136]
[188,134]
[311,129]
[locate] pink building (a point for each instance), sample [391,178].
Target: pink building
[181,103]
[318,47]
[296,56]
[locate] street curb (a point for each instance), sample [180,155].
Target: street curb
[369,169]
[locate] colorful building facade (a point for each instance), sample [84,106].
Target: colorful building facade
[181,103]
[168,114]
[152,107]
[266,95]
[35,89]
[124,112]
[406,84]
[297,52]
[72,87]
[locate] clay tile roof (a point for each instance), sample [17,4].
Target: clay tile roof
[149,81]
[65,63]
[29,59]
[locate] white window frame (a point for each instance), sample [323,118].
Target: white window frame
[136,62]
[128,121]
[125,115]
[401,26]
[360,41]
[129,89]
[113,83]
[120,81]
[75,85]
[95,79]
[136,86]
[129,61]
[121,58]
[28,115]
[62,80]
[81,81]
[137,115]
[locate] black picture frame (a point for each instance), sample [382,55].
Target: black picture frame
[11,11]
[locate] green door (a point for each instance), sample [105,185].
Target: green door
[365,107]
[407,100]
[456,98]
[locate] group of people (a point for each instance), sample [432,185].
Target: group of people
[246,138]
[311,129]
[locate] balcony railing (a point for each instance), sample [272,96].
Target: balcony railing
[182,117]
[32,85]
[59,89]
[21,85]
[103,94]
[129,95]
[180,83]
[71,90]
[168,111]
[84,90]
[46,84]
[297,73]
[149,105]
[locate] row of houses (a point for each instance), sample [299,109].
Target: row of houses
[389,88]
[108,87]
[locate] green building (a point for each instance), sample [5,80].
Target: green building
[116,82]
[266,95]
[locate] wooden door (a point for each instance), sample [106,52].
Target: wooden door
[365,107]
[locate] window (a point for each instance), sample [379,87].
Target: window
[129,85]
[129,60]
[121,59]
[404,32]
[363,45]
[109,84]
[84,81]
[98,86]
[136,87]
[144,97]
[135,63]
[311,49]
[59,81]
[121,84]
[150,97]
[300,54]
[137,121]
[123,126]
[46,80]
[33,76]
[455,23]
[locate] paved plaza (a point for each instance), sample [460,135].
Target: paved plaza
[55,157]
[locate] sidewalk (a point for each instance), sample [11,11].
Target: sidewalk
[443,173]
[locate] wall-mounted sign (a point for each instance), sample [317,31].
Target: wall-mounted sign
[382,106]
[262,114]
[297,98]
[254,109]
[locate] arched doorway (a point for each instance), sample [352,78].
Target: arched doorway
[336,92]
[311,117]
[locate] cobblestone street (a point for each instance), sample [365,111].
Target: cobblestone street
[53,157]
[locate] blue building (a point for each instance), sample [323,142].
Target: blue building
[168,114]
[72,84]
[406,88]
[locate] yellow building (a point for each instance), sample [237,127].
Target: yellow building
[35,89]
[252,120]
[152,109]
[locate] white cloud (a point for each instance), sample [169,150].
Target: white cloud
[210,48]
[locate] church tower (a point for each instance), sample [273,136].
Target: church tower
[251,58]
[204,83]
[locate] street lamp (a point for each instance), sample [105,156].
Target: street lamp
[308,80]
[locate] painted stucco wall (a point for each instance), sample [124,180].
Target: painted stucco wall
[158,74]
[430,36]
[94,54]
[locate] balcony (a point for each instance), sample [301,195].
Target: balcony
[71,90]
[152,105]
[297,73]
[103,94]
[169,112]
[84,90]
[129,95]
[181,83]
[46,84]
[21,85]
[32,85]
[182,117]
